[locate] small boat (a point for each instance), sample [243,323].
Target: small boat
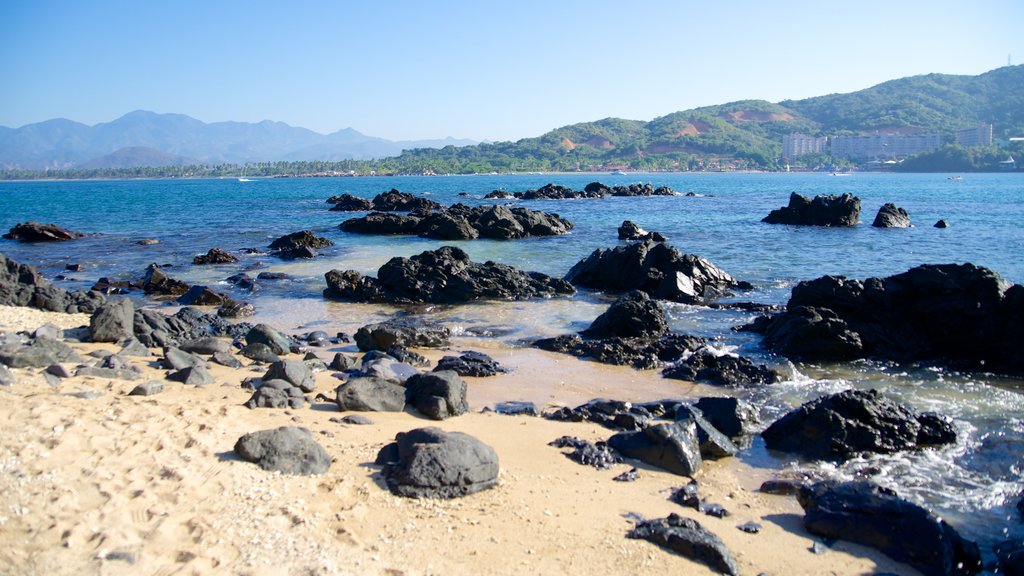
[618,173]
[954,178]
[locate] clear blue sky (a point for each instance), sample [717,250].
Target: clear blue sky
[472,69]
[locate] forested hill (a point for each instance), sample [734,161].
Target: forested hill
[748,134]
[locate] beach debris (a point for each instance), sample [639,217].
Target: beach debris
[688,538]
[598,455]
[670,446]
[471,363]
[516,408]
[843,425]
[215,256]
[631,475]
[36,232]
[288,449]
[432,463]
[437,395]
[862,512]
[370,394]
[749,527]
[891,216]
[823,210]
[442,276]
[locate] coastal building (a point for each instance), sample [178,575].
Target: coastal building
[883,146]
[797,144]
[980,135]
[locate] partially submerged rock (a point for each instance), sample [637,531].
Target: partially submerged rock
[432,463]
[707,366]
[891,216]
[825,210]
[288,449]
[215,256]
[302,244]
[36,232]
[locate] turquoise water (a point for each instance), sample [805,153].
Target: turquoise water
[973,484]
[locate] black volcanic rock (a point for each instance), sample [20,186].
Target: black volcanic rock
[656,268]
[891,216]
[302,244]
[215,256]
[36,232]
[349,203]
[395,201]
[442,276]
[157,282]
[849,423]
[632,315]
[827,210]
[382,223]
[703,365]
[432,463]
[288,449]
[23,285]
[688,538]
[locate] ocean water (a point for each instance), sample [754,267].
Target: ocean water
[974,484]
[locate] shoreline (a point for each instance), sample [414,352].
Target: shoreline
[119,484]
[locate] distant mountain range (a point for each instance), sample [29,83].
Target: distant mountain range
[143,138]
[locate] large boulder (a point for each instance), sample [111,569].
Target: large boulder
[960,313]
[437,395]
[688,538]
[827,210]
[442,276]
[36,232]
[470,363]
[113,321]
[302,244]
[40,352]
[891,216]
[382,223]
[632,315]
[432,463]
[288,449]
[655,268]
[844,425]
[671,446]
[384,335]
[867,514]
[367,394]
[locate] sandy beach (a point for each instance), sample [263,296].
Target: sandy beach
[98,482]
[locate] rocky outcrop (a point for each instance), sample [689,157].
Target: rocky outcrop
[655,268]
[630,231]
[632,315]
[215,256]
[36,232]
[395,201]
[442,276]
[349,203]
[402,332]
[302,244]
[288,449]
[891,216]
[156,282]
[640,353]
[688,538]
[827,210]
[958,313]
[461,222]
[708,366]
[867,514]
[432,463]
[853,422]
[154,329]
[23,285]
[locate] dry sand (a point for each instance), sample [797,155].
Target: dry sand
[98,482]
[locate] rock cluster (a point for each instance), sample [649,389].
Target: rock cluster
[215,256]
[391,201]
[592,190]
[442,276]
[23,285]
[461,222]
[827,210]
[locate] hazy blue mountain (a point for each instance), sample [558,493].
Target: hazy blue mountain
[135,157]
[62,143]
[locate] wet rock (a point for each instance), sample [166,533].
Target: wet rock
[413,334]
[442,276]
[941,224]
[36,232]
[148,389]
[706,366]
[396,201]
[156,282]
[470,363]
[843,425]
[382,223]
[670,446]
[632,315]
[827,210]
[614,414]
[655,268]
[234,309]
[432,463]
[688,538]
[1010,557]
[891,216]
[302,244]
[294,372]
[731,416]
[112,321]
[713,444]
[447,226]
[630,231]
[437,395]
[867,514]
[215,256]
[369,394]
[288,449]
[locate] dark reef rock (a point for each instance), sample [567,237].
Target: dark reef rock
[432,463]
[382,223]
[349,203]
[655,268]
[588,453]
[705,366]
[203,296]
[442,276]
[36,232]
[23,285]
[867,514]
[821,211]
[688,538]
[470,363]
[461,222]
[632,315]
[891,216]
[215,256]
[849,423]
[731,416]
[369,394]
[437,395]
[156,282]
[713,444]
[302,244]
[630,231]
[403,332]
[395,201]
[670,446]
[288,449]
[955,312]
